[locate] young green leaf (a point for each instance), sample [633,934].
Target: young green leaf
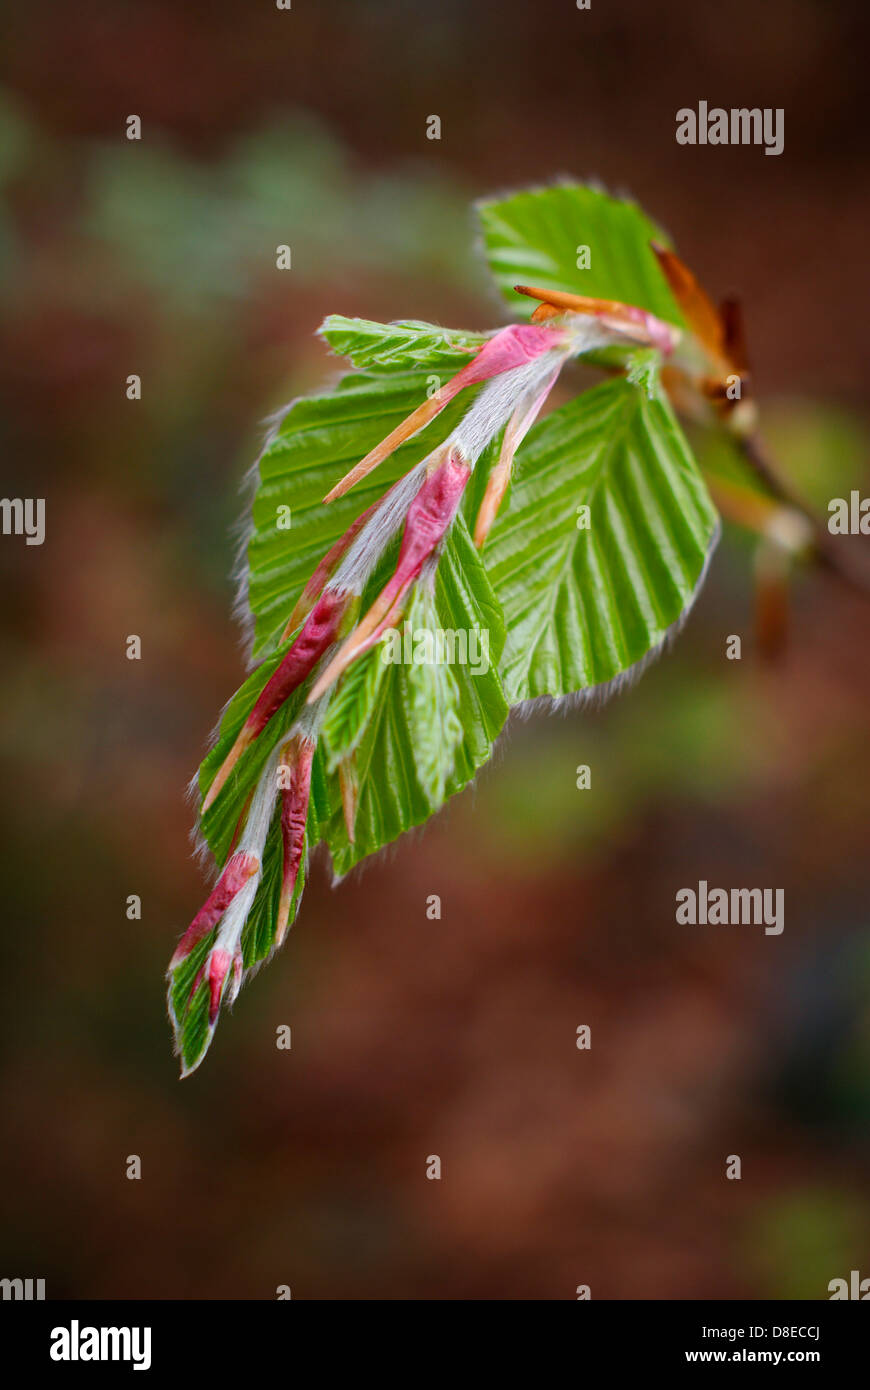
[575,238]
[352,707]
[434,697]
[403,777]
[317,440]
[218,824]
[406,344]
[605,544]
[594,561]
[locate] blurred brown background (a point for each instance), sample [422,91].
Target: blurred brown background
[410,1037]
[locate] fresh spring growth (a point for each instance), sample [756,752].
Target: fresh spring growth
[325,744]
[226,910]
[519,365]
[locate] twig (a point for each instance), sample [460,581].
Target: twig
[835,559]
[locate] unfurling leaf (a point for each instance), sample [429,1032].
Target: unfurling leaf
[447,558]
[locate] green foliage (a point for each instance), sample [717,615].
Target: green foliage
[218,824]
[584,603]
[190,1013]
[536,238]
[352,707]
[557,605]
[434,699]
[407,762]
[317,441]
[407,343]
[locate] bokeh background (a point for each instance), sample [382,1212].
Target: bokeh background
[307,1167]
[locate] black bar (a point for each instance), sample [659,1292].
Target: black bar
[226,1338]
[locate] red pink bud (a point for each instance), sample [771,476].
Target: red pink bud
[510,347]
[428,520]
[237,871]
[625,319]
[324,571]
[320,630]
[238,969]
[516,430]
[217,969]
[296,759]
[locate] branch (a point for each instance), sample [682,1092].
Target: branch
[837,560]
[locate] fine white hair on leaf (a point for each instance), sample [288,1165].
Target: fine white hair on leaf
[241,532]
[558,704]
[598,695]
[233,922]
[374,537]
[243,529]
[587,333]
[426,582]
[201,849]
[385,854]
[496,402]
[562,704]
[253,837]
[251,841]
[311,717]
